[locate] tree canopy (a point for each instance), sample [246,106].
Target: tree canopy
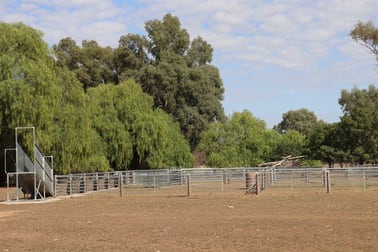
[301,120]
[174,70]
[244,140]
[366,34]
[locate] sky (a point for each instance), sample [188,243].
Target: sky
[273,55]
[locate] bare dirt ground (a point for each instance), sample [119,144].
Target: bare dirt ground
[276,220]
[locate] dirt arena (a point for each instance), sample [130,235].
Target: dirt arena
[276,220]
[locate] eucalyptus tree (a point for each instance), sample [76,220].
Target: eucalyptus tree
[301,120]
[92,64]
[326,143]
[180,77]
[130,56]
[359,124]
[366,34]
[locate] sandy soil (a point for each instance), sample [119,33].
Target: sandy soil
[276,220]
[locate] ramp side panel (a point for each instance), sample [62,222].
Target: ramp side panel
[45,180]
[43,163]
[24,164]
[44,171]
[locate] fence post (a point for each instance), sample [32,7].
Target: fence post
[54,183]
[257,183]
[248,180]
[328,182]
[224,177]
[188,184]
[70,184]
[120,185]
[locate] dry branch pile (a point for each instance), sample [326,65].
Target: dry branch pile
[288,161]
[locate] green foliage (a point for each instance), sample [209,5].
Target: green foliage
[302,120]
[359,124]
[27,96]
[311,163]
[108,126]
[238,142]
[180,78]
[76,145]
[289,143]
[167,35]
[130,57]
[172,69]
[367,34]
[92,63]
[244,140]
[132,133]
[159,143]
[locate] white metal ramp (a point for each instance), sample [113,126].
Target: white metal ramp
[35,179]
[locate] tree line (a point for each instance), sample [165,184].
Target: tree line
[155,102]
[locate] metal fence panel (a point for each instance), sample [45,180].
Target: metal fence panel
[211,180]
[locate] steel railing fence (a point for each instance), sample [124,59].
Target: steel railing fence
[205,180]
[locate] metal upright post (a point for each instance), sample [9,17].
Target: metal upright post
[34,154]
[5,169]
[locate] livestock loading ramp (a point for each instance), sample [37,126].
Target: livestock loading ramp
[34,178]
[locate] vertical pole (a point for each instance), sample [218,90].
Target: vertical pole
[18,197]
[248,180]
[291,182]
[188,185]
[364,179]
[85,183]
[7,187]
[257,183]
[70,184]
[35,171]
[328,182]
[54,185]
[271,176]
[224,176]
[120,185]
[154,181]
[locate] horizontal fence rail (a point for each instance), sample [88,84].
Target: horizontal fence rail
[208,180]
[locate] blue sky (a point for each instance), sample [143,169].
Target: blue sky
[273,55]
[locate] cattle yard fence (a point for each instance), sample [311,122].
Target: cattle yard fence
[213,180]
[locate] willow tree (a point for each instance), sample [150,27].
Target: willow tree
[134,134]
[115,108]
[28,95]
[77,146]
